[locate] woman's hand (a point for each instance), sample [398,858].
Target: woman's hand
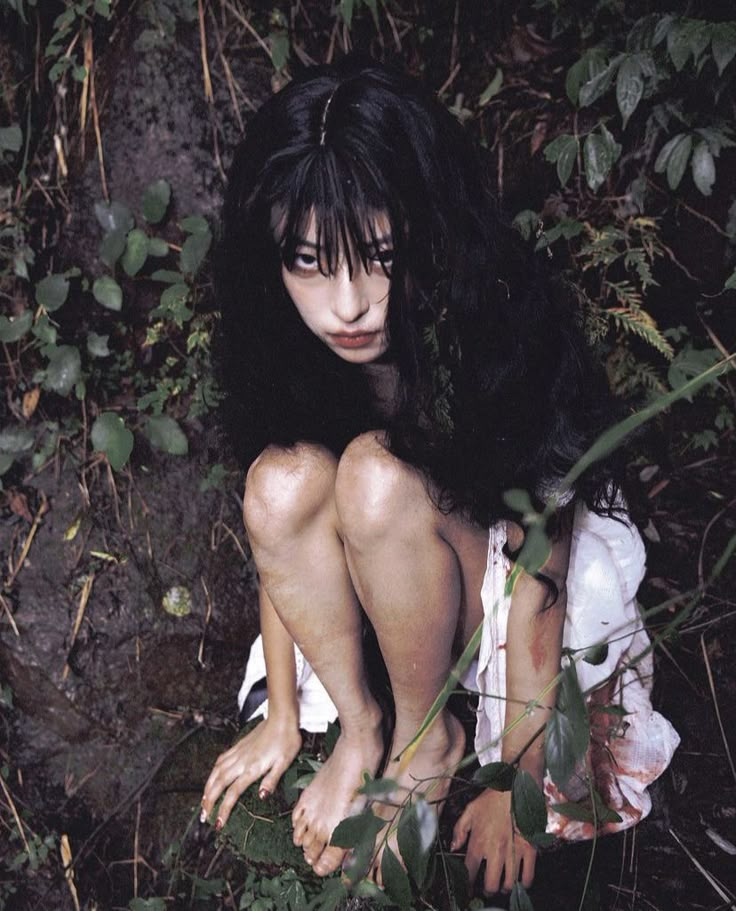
[265,753]
[487,820]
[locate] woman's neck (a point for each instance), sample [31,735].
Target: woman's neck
[383,378]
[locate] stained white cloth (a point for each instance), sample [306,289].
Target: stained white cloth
[607,562]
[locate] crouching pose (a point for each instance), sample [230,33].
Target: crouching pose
[393,362]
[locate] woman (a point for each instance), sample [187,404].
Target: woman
[393,362]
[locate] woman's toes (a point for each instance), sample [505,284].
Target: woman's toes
[329,861]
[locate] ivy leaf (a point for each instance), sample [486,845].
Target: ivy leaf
[136,252]
[195,224]
[597,160]
[395,881]
[362,827]
[14,328]
[590,64]
[158,247]
[596,654]
[492,89]
[520,900]
[678,44]
[594,88]
[704,168]
[629,87]
[155,202]
[723,44]
[16,439]
[677,161]
[567,732]
[114,216]
[577,811]
[529,808]
[564,151]
[168,276]
[52,292]
[108,292]
[498,776]
[97,344]
[416,834]
[164,433]
[112,247]
[660,165]
[194,251]
[280,49]
[111,436]
[11,138]
[64,369]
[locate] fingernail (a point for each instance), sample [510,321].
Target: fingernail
[264,793]
[203,817]
[218,823]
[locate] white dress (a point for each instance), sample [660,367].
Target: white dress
[628,752]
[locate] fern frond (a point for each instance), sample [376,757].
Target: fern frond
[640,323]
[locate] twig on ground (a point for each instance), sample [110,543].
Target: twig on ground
[83,599]
[11,618]
[715,705]
[16,817]
[208,615]
[65,849]
[723,894]
[42,510]
[209,97]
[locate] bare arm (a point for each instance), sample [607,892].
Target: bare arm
[533,651]
[269,749]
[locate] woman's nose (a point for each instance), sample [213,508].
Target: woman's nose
[350,294]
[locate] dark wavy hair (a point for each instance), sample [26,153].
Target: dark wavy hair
[496,384]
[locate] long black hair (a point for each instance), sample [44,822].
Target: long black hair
[496,385]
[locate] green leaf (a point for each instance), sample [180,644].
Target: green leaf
[164,433]
[280,49]
[492,89]
[520,900]
[193,252]
[16,439]
[346,12]
[112,247]
[52,292]
[577,811]
[14,328]
[112,437]
[629,87]
[498,776]
[677,161]
[594,88]
[535,551]
[660,165]
[158,247]
[44,331]
[97,344]
[704,168]
[678,44]
[136,252]
[108,292]
[416,834]
[11,139]
[168,276]
[114,216]
[597,160]
[6,460]
[355,829]
[596,654]
[64,369]
[395,881]
[590,64]
[377,787]
[723,44]
[528,806]
[730,284]
[102,8]
[195,224]
[688,363]
[155,202]
[567,733]
[520,501]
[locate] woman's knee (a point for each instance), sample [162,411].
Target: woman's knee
[285,489]
[375,490]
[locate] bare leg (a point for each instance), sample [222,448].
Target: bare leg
[289,511]
[418,574]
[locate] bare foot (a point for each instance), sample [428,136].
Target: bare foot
[428,773]
[331,796]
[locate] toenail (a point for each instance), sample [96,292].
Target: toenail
[218,823]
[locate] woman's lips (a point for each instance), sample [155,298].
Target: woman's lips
[353,339]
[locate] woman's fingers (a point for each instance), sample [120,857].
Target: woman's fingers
[461,831]
[528,864]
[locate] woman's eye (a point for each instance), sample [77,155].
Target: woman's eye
[307,262]
[383,258]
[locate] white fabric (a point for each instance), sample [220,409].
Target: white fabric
[607,562]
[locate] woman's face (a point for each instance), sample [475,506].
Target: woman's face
[347,314]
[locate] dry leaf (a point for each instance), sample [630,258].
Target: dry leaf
[30,401]
[19,505]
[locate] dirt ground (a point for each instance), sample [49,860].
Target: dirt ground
[109,740]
